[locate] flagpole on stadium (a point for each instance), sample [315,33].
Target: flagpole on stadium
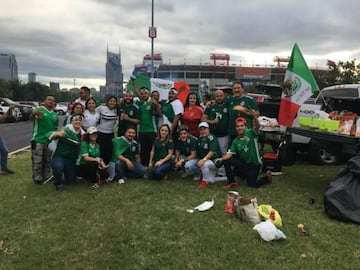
[152,36]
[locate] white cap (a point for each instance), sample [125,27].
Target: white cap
[203,124]
[91,130]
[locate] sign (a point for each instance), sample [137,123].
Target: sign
[252,73]
[152,32]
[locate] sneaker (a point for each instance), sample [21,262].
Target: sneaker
[95,186]
[269,175]
[196,178]
[121,181]
[203,184]
[109,180]
[6,171]
[230,185]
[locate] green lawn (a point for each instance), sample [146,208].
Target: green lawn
[144,225]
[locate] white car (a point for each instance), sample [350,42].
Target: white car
[61,108]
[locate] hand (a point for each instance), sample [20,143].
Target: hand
[200,163]
[158,163]
[130,165]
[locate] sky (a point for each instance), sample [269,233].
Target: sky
[65,41]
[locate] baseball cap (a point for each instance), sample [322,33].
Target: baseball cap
[240,119]
[203,124]
[91,130]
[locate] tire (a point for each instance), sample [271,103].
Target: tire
[322,154]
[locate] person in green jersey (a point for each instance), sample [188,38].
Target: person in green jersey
[126,156]
[129,114]
[89,165]
[207,151]
[66,153]
[185,149]
[240,105]
[243,158]
[160,163]
[45,122]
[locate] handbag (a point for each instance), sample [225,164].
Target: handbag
[246,209]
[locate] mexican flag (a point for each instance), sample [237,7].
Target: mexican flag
[163,86]
[299,85]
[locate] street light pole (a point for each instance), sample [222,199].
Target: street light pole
[152,39]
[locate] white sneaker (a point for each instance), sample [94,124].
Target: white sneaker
[121,181]
[196,178]
[109,180]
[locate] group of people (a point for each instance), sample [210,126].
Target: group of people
[215,141]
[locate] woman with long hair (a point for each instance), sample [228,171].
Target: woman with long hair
[91,116]
[89,164]
[160,162]
[192,114]
[77,108]
[108,117]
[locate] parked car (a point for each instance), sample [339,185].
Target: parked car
[61,108]
[24,109]
[31,103]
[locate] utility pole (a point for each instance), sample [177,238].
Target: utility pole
[152,35]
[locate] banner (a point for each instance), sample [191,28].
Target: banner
[299,85]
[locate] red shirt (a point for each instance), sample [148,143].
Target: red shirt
[192,118]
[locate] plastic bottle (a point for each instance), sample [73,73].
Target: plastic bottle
[302,229]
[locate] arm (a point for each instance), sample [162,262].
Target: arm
[7,114]
[166,158]
[204,159]
[227,156]
[136,89]
[255,120]
[127,161]
[175,122]
[152,152]
[206,119]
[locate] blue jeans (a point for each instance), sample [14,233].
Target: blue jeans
[4,153]
[158,172]
[236,166]
[61,165]
[192,168]
[123,171]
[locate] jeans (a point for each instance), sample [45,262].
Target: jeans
[4,153]
[236,166]
[158,172]
[61,165]
[41,162]
[123,171]
[191,167]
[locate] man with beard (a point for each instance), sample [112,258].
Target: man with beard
[129,114]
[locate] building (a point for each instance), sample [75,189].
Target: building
[54,85]
[31,77]
[8,67]
[114,75]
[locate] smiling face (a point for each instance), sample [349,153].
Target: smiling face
[144,94]
[238,90]
[130,134]
[128,98]
[240,128]
[112,102]
[183,135]
[192,100]
[164,132]
[204,132]
[91,105]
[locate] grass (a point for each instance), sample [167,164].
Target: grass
[144,225]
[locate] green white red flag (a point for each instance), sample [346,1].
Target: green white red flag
[299,85]
[163,86]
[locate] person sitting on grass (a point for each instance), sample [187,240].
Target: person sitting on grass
[160,162]
[243,158]
[126,156]
[185,149]
[89,164]
[66,153]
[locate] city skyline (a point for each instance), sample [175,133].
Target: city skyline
[67,40]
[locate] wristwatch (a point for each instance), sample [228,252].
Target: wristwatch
[204,159]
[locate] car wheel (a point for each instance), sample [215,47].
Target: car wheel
[322,154]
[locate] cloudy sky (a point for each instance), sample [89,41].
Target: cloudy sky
[66,40]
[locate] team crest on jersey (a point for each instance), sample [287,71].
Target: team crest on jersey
[131,113]
[225,110]
[206,146]
[133,149]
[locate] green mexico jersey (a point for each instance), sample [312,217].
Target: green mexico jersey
[162,148]
[124,147]
[68,146]
[206,145]
[147,120]
[88,149]
[132,111]
[245,101]
[221,112]
[44,126]
[185,148]
[247,147]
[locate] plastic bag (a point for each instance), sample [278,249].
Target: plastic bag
[268,231]
[267,212]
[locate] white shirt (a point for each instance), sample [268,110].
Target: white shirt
[107,119]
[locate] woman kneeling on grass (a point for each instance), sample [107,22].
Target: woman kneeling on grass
[66,152]
[89,164]
[243,158]
[160,162]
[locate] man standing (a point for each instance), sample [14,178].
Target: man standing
[84,95]
[129,114]
[172,111]
[45,123]
[240,105]
[3,148]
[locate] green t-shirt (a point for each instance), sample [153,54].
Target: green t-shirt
[132,111]
[88,149]
[147,119]
[247,147]
[45,125]
[188,146]
[245,101]
[162,148]
[221,112]
[124,147]
[206,145]
[68,146]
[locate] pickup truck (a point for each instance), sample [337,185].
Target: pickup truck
[323,147]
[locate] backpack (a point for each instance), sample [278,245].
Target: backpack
[286,154]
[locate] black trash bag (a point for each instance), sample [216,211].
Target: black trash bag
[342,198]
[286,154]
